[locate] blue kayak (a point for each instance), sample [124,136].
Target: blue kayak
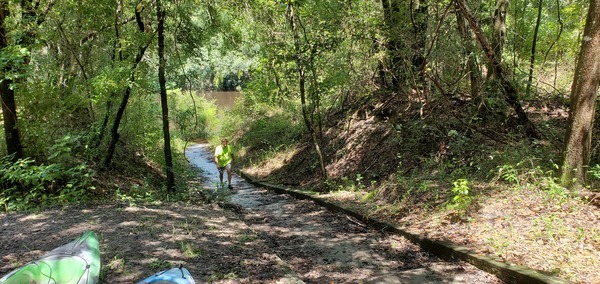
[77,262]
[177,275]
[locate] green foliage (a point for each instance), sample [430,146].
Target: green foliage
[555,191]
[159,264]
[82,66]
[224,70]
[521,165]
[333,39]
[29,185]
[108,81]
[593,173]
[370,196]
[272,132]
[194,116]
[189,249]
[446,150]
[13,59]
[347,184]
[62,149]
[461,198]
[508,173]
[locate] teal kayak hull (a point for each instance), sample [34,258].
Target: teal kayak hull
[77,262]
[178,275]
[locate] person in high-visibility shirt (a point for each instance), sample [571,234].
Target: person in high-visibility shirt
[223,159]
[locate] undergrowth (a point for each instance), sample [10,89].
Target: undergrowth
[493,192]
[27,184]
[67,172]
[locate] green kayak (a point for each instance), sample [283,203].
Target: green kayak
[77,262]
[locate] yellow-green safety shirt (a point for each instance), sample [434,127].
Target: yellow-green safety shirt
[223,155]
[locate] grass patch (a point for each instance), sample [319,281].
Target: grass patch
[189,249]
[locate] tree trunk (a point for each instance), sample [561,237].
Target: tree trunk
[115,128]
[419,16]
[315,97]
[116,50]
[509,90]
[393,44]
[9,114]
[576,151]
[381,66]
[560,30]
[473,68]
[533,45]
[160,14]
[30,19]
[302,87]
[499,33]
[7,97]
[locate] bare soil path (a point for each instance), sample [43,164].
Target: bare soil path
[325,247]
[270,239]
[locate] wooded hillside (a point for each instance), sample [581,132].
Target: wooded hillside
[413,105]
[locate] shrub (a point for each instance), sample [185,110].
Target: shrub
[28,184]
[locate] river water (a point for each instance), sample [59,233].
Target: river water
[223,100]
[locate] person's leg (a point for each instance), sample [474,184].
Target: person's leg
[229,175]
[220,176]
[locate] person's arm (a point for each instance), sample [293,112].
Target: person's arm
[217,153]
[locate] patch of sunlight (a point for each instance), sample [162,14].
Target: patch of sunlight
[33,217]
[341,195]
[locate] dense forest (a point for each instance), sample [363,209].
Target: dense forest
[418,108]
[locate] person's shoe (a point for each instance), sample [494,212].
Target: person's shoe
[230,186]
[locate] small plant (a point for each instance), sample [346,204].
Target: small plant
[157,264]
[556,191]
[347,184]
[249,237]
[222,276]
[370,196]
[593,174]
[509,174]
[115,264]
[461,198]
[189,250]
[359,182]
[500,245]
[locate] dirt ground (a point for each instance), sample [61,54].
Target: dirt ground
[214,244]
[137,241]
[270,239]
[327,247]
[278,245]
[540,226]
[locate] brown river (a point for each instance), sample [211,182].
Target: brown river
[223,100]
